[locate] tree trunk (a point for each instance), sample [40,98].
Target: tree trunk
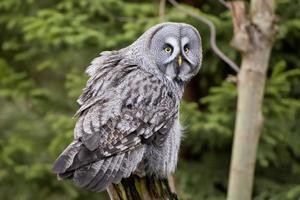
[253,37]
[145,188]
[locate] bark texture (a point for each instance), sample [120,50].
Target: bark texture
[142,188]
[254,33]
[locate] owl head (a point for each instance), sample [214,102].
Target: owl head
[175,49]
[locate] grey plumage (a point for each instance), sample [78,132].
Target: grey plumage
[128,118]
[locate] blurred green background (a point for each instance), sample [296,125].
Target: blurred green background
[45,46]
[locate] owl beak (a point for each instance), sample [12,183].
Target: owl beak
[179,60]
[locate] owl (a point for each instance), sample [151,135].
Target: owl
[128,118]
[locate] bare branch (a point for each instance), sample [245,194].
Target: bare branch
[224,3]
[239,16]
[212,29]
[240,24]
[162,7]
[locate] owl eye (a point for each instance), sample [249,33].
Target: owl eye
[186,50]
[168,49]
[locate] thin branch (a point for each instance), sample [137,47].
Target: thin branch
[224,3]
[212,29]
[162,7]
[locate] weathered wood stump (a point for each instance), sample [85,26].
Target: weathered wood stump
[142,188]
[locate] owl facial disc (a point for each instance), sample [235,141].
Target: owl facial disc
[176,48]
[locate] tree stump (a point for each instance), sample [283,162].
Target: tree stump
[142,188]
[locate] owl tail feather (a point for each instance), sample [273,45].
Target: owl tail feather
[93,172]
[98,175]
[66,158]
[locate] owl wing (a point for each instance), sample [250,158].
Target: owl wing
[122,120]
[117,116]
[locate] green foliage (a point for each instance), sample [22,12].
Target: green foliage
[279,144]
[45,47]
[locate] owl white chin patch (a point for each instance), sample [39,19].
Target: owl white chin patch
[171,71]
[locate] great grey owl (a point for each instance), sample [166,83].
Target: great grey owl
[129,110]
